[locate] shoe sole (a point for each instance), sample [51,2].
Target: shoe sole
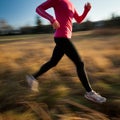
[93,100]
[34,86]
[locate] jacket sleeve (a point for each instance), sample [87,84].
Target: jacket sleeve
[80,18]
[44,6]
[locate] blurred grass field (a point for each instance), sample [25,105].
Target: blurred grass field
[61,95]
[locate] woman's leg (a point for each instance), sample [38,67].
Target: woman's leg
[71,52]
[56,56]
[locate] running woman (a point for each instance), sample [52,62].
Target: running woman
[62,23]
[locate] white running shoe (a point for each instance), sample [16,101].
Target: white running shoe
[32,82]
[95,97]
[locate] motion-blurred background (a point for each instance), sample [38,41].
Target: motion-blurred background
[26,42]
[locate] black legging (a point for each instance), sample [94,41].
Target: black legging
[64,46]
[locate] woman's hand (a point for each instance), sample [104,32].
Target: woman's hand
[87,6]
[56,24]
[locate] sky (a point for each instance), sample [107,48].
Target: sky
[19,13]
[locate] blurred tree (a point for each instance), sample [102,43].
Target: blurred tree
[38,27]
[113,16]
[114,21]
[38,21]
[5,28]
[88,25]
[26,29]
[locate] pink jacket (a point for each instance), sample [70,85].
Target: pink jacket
[64,12]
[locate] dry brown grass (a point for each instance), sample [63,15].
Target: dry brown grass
[25,54]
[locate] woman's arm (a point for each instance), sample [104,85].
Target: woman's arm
[44,6]
[78,18]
